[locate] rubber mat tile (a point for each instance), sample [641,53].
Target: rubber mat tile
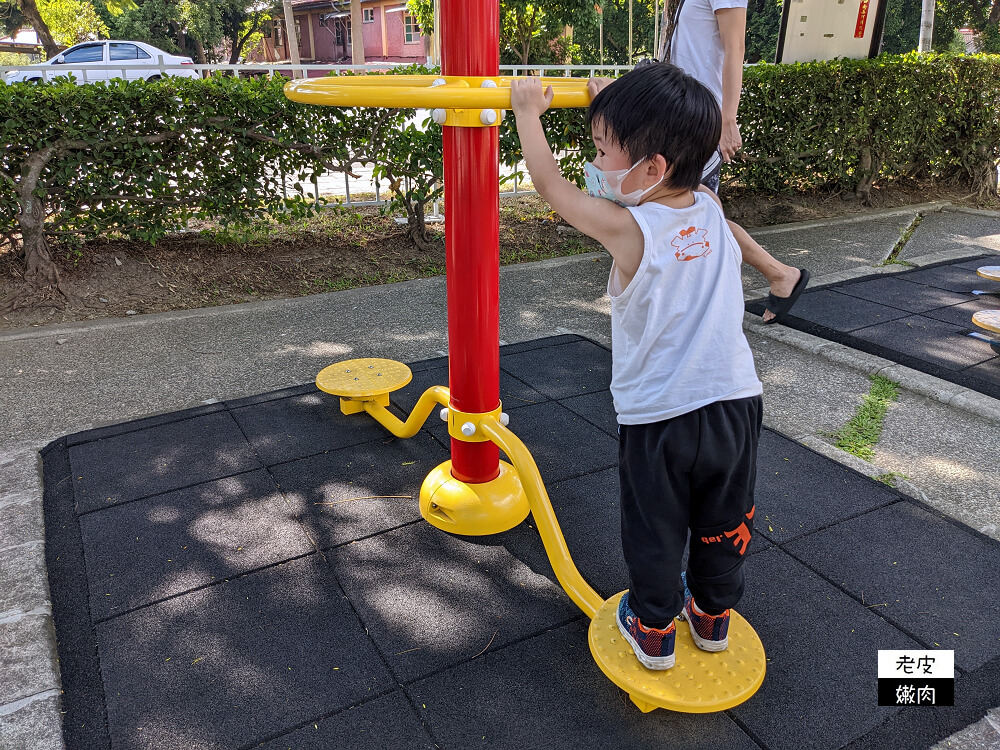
[929,340]
[822,648]
[305,425]
[799,491]
[919,570]
[902,294]
[99,433]
[232,663]
[988,371]
[513,393]
[842,312]
[431,600]
[562,443]
[362,490]
[523,346]
[151,549]
[961,315]
[990,260]
[562,371]
[386,723]
[547,692]
[597,408]
[949,277]
[158,459]
[263,398]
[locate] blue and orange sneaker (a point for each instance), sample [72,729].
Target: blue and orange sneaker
[653,647]
[709,632]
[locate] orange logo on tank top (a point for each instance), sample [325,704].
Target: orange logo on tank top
[691,243]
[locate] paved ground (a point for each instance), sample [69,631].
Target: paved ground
[943,437]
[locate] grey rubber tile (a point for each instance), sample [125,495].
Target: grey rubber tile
[99,433]
[561,371]
[989,260]
[799,491]
[920,571]
[513,393]
[431,600]
[386,723]
[597,408]
[362,490]
[950,277]
[842,312]
[228,664]
[484,703]
[158,459]
[822,648]
[929,340]
[902,294]
[961,315]
[988,371]
[298,426]
[161,546]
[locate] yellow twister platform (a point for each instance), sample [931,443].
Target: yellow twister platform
[699,682]
[989,272]
[360,380]
[988,319]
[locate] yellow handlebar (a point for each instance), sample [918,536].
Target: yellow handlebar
[424,92]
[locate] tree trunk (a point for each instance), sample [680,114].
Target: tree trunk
[30,11]
[867,174]
[418,226]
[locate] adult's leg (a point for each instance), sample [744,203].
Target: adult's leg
[781,278]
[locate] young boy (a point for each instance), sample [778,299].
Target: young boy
[683,379]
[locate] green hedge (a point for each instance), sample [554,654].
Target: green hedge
[141,158]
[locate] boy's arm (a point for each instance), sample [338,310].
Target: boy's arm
[608,223]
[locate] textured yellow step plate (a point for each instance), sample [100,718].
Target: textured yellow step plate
[699,682]
[357,378]
[988,319]
[989,272]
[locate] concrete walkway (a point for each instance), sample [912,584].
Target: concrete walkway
[61,379]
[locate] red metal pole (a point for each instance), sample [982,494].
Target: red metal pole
[470,46]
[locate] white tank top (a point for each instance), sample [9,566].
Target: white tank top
[677,328]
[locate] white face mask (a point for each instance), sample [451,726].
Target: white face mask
[608,184]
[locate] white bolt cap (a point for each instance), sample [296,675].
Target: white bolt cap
[443,414]
[488,85]
[504,419]
[468,429]
[488,116]
[439,116]
[439,82]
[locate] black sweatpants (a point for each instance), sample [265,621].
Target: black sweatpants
[696,472]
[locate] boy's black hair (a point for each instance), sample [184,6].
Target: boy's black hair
[659,109]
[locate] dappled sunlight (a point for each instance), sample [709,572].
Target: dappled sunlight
[316,349]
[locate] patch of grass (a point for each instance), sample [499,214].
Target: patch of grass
[861,434]
[890,478]
[904,237]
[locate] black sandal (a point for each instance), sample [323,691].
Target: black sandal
[781,305]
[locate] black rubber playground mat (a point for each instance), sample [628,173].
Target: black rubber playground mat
[919,318]
[256,574]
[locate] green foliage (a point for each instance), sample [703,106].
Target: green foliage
[142,158]
[615,30]
[72,21]
[763,24]
[841,123]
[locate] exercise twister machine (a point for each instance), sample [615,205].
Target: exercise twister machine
[475,493]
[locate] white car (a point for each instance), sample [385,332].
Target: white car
[103,60]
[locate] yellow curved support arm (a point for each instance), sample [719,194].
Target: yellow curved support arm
[437,394]
[457,92]
[545,518]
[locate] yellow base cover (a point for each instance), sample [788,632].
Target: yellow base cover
[473,509]
[699,682]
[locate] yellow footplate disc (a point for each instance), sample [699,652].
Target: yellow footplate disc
[989,272]
[699,682]
[988,319]
[357,378]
